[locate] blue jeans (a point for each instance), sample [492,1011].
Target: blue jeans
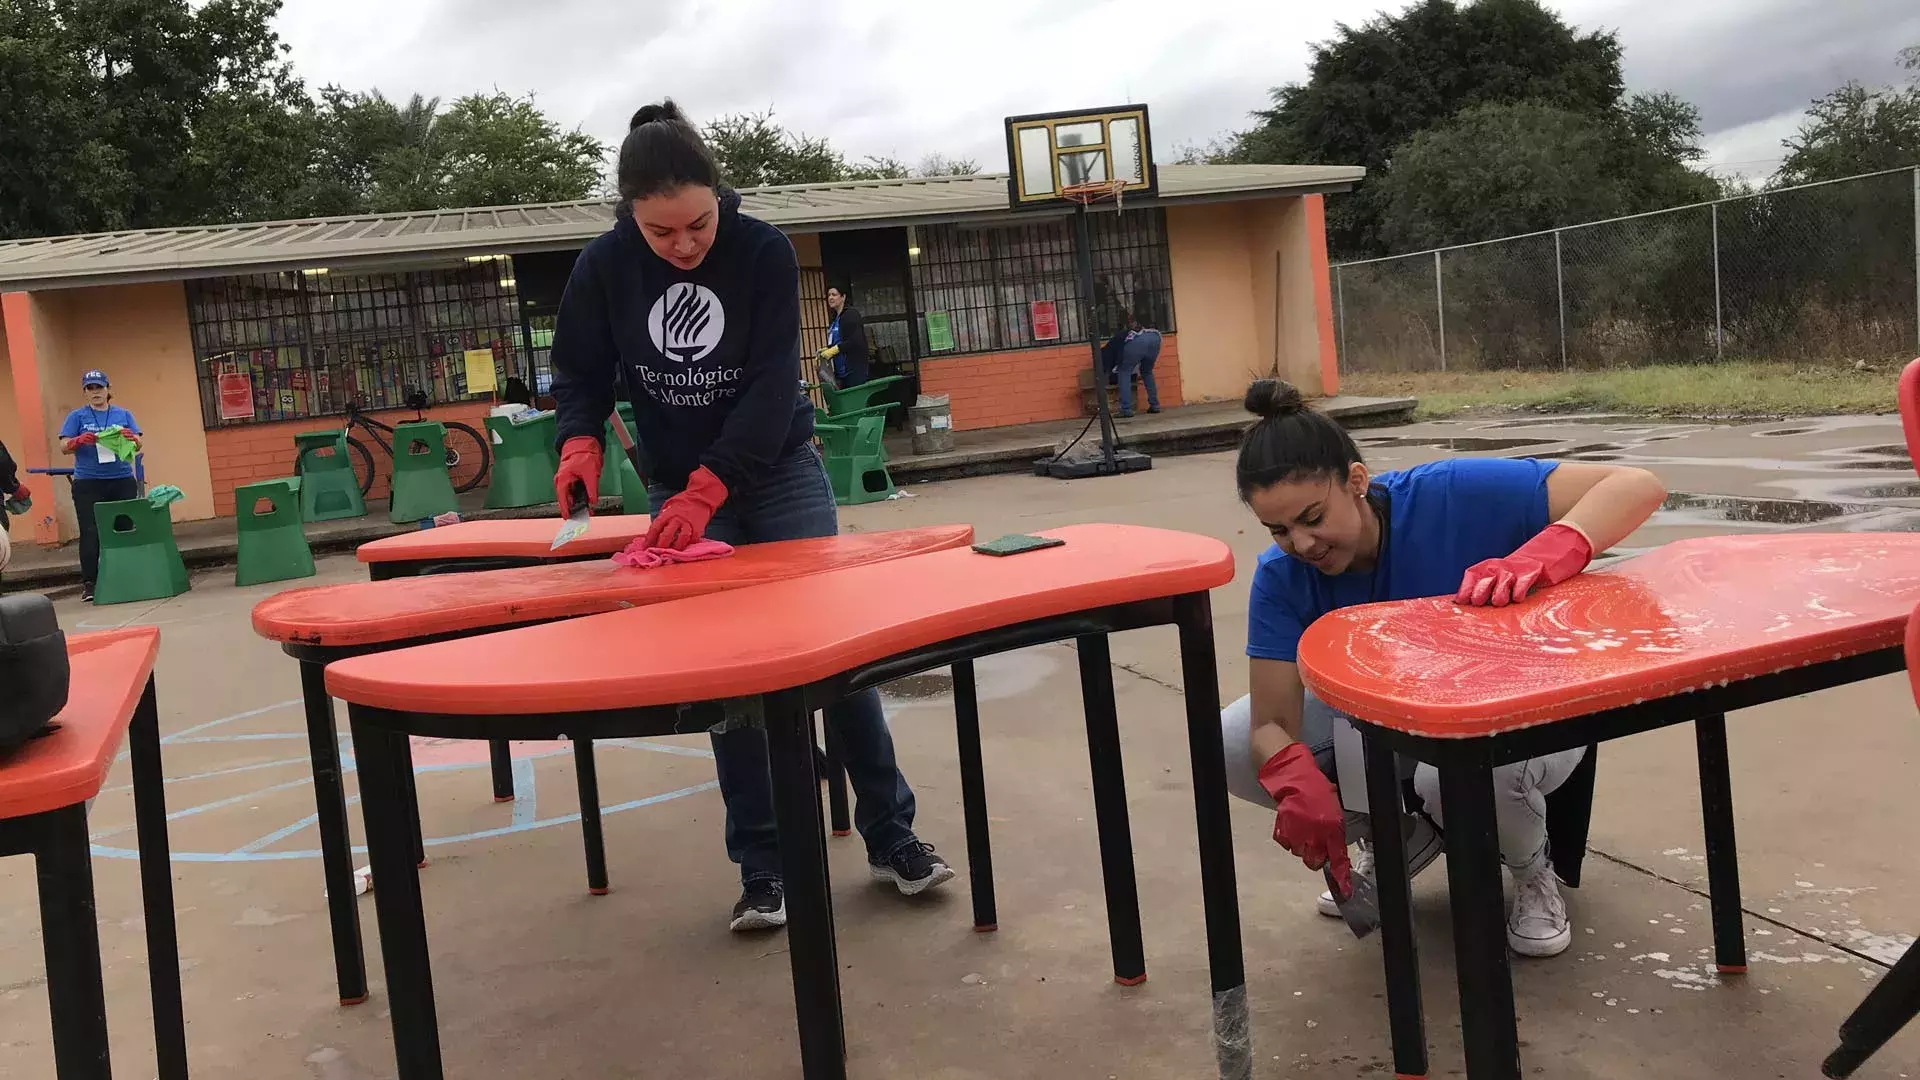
[793,501]
[1138,353]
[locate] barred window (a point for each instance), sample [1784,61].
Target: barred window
[303,344]
[999,287]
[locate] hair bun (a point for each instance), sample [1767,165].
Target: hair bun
[1269,398]
[663,110]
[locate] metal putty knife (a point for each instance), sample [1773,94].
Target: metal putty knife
[1360,908]
[576,524]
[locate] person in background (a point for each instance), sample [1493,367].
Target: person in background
[98,475]
[846,340]
[695,306]
[515,392]
[15,492]
[1483,531]
[1133,348]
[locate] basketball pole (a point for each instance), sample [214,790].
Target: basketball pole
[1083,260]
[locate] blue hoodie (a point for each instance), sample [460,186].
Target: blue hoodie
[711,355]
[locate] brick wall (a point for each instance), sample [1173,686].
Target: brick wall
[245,453]
[1027,386]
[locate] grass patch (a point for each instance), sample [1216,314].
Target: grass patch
[1753,389]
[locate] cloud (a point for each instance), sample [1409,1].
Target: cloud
[906,80]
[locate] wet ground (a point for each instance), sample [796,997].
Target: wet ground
[536,979]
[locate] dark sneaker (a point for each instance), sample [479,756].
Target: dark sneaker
[1154,409]
[913,869]
[86,592]
[762,906]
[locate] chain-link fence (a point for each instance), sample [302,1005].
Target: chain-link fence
[1821,273]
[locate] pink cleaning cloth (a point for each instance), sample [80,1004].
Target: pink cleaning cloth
[641,557]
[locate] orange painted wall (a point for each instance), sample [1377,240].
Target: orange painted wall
[138,335]
[1250,300]
[20,529]
[806,248]
[244,453]
[1027,386]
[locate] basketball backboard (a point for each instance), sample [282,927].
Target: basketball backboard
[1050,151]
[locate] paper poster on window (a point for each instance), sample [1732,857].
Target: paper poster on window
[939,331]
[479,371]
[236,396]
[287,404]
[299,379]
[1046,321]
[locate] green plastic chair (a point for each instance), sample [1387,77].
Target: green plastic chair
[618,476]
[328,488]
[273,544]
[852,417]
[856,463]
[421,487]
[139,559]
[524,461]
[855,398]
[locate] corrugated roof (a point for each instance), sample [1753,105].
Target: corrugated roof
[207,250]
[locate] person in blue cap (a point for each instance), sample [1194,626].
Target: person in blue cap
[98,475]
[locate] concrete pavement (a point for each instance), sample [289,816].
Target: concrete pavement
[537,979]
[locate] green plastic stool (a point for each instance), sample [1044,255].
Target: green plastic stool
[273,545]
[855,398]
[524,461]
[141,560]
[328,488]
[421,487]
[618,476]
[856,464]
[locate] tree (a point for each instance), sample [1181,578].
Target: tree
[753,151]
[498,150]
[1496,170]
[1855,130]
[137,114]
[1372,89]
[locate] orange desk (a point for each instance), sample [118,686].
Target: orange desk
[322,624]
[495,544]
[45,786]
[798,644]
[1685,633]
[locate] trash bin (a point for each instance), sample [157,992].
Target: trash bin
[932,419]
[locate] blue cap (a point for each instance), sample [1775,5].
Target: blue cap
[96,377]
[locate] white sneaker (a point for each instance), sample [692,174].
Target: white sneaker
[1424,845]
[1538,925]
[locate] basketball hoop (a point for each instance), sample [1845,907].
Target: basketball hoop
[1097,191]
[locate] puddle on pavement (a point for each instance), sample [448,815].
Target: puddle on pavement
[1464,444]
[927,684]
[1583,448]
[1777,432]
[1736,508]
[1909,489]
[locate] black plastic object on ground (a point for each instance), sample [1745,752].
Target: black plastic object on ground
[33,667]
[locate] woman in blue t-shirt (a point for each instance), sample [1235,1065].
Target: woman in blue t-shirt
[1486,531]
[695,308]
[98,474]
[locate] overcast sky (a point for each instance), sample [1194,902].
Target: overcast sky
[908,79]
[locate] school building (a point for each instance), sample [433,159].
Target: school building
[226,340]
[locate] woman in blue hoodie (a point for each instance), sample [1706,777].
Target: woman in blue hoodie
[697,307]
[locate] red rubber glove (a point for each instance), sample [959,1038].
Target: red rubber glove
[1310,822]
[85,438]
[581,460]
[684,518]
[22,493]
[1558,553]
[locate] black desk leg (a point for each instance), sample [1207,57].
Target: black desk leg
[836,780]
[385,763]
[1487,1024]
[1723,858]
[336,843]
[1888,1007]
[156,888]
[1232,1039]
[71,936]
[588,781]
[1404,1018]
[411,791]
[973,798]
[803,862]
[500,758]
[1110,810]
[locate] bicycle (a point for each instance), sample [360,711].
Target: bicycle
[468,456]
